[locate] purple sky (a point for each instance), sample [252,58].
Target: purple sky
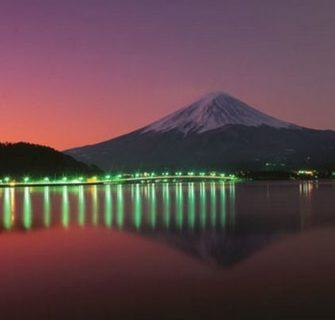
[75,72]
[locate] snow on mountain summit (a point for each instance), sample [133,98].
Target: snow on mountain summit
[214,111]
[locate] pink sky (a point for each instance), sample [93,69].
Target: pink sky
[79,72]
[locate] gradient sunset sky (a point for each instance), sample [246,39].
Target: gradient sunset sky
[75,72]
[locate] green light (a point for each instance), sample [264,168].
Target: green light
[80,178]
[203,207]
[166,201]
[7,179]
[65,208]
[95,205]
[137,175]
[153,174]
[81,206]
[306,172]
[120,207]
[191,173]
[191,206]
[47,207]
[64,179]
[153,209]
[223,214]
[26,179]
[213,204]
[7,208]
[108,206]
[107,177]
[46,179]
[232,204]
[202,174]
[137,209]
[27,209]
[179,206]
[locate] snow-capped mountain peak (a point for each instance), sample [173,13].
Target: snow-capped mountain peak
[214,111]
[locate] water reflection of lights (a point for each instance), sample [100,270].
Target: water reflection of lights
[108,206]
[27,209]
[179,206]
[190,206]
[7,209]
[47,207]
[167,204]
[306,190]
[137,205]
[153,206]
[232,204]
[81,206]
[65,207]
[120,206]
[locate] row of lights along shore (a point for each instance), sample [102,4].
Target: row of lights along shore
[81,179]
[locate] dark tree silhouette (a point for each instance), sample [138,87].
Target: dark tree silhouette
[20,159]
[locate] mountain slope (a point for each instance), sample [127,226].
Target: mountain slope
[217,132]
[19,159]
[214,111]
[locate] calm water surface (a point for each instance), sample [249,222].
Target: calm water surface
[168,251]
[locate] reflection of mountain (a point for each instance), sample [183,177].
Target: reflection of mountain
[217,248]
[219,223]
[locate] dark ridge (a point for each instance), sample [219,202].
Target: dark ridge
[20,159]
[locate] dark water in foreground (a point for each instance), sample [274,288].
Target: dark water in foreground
[168,251]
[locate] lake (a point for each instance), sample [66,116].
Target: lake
[168,251]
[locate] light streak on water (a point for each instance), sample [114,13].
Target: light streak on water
[305,203]
[179,206]
[203,209]
[196,207]
[108,206]
[65,207]
[137,205]
[232,204]
[153,204]
[213,204]
[7,209]
[223,210]
[27,209]
[81,206]
[120,207]
[167,205]
[191,206]
[95,205]
[47,207]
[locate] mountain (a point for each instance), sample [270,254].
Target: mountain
[216,132]
[214,111]
[20,159]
